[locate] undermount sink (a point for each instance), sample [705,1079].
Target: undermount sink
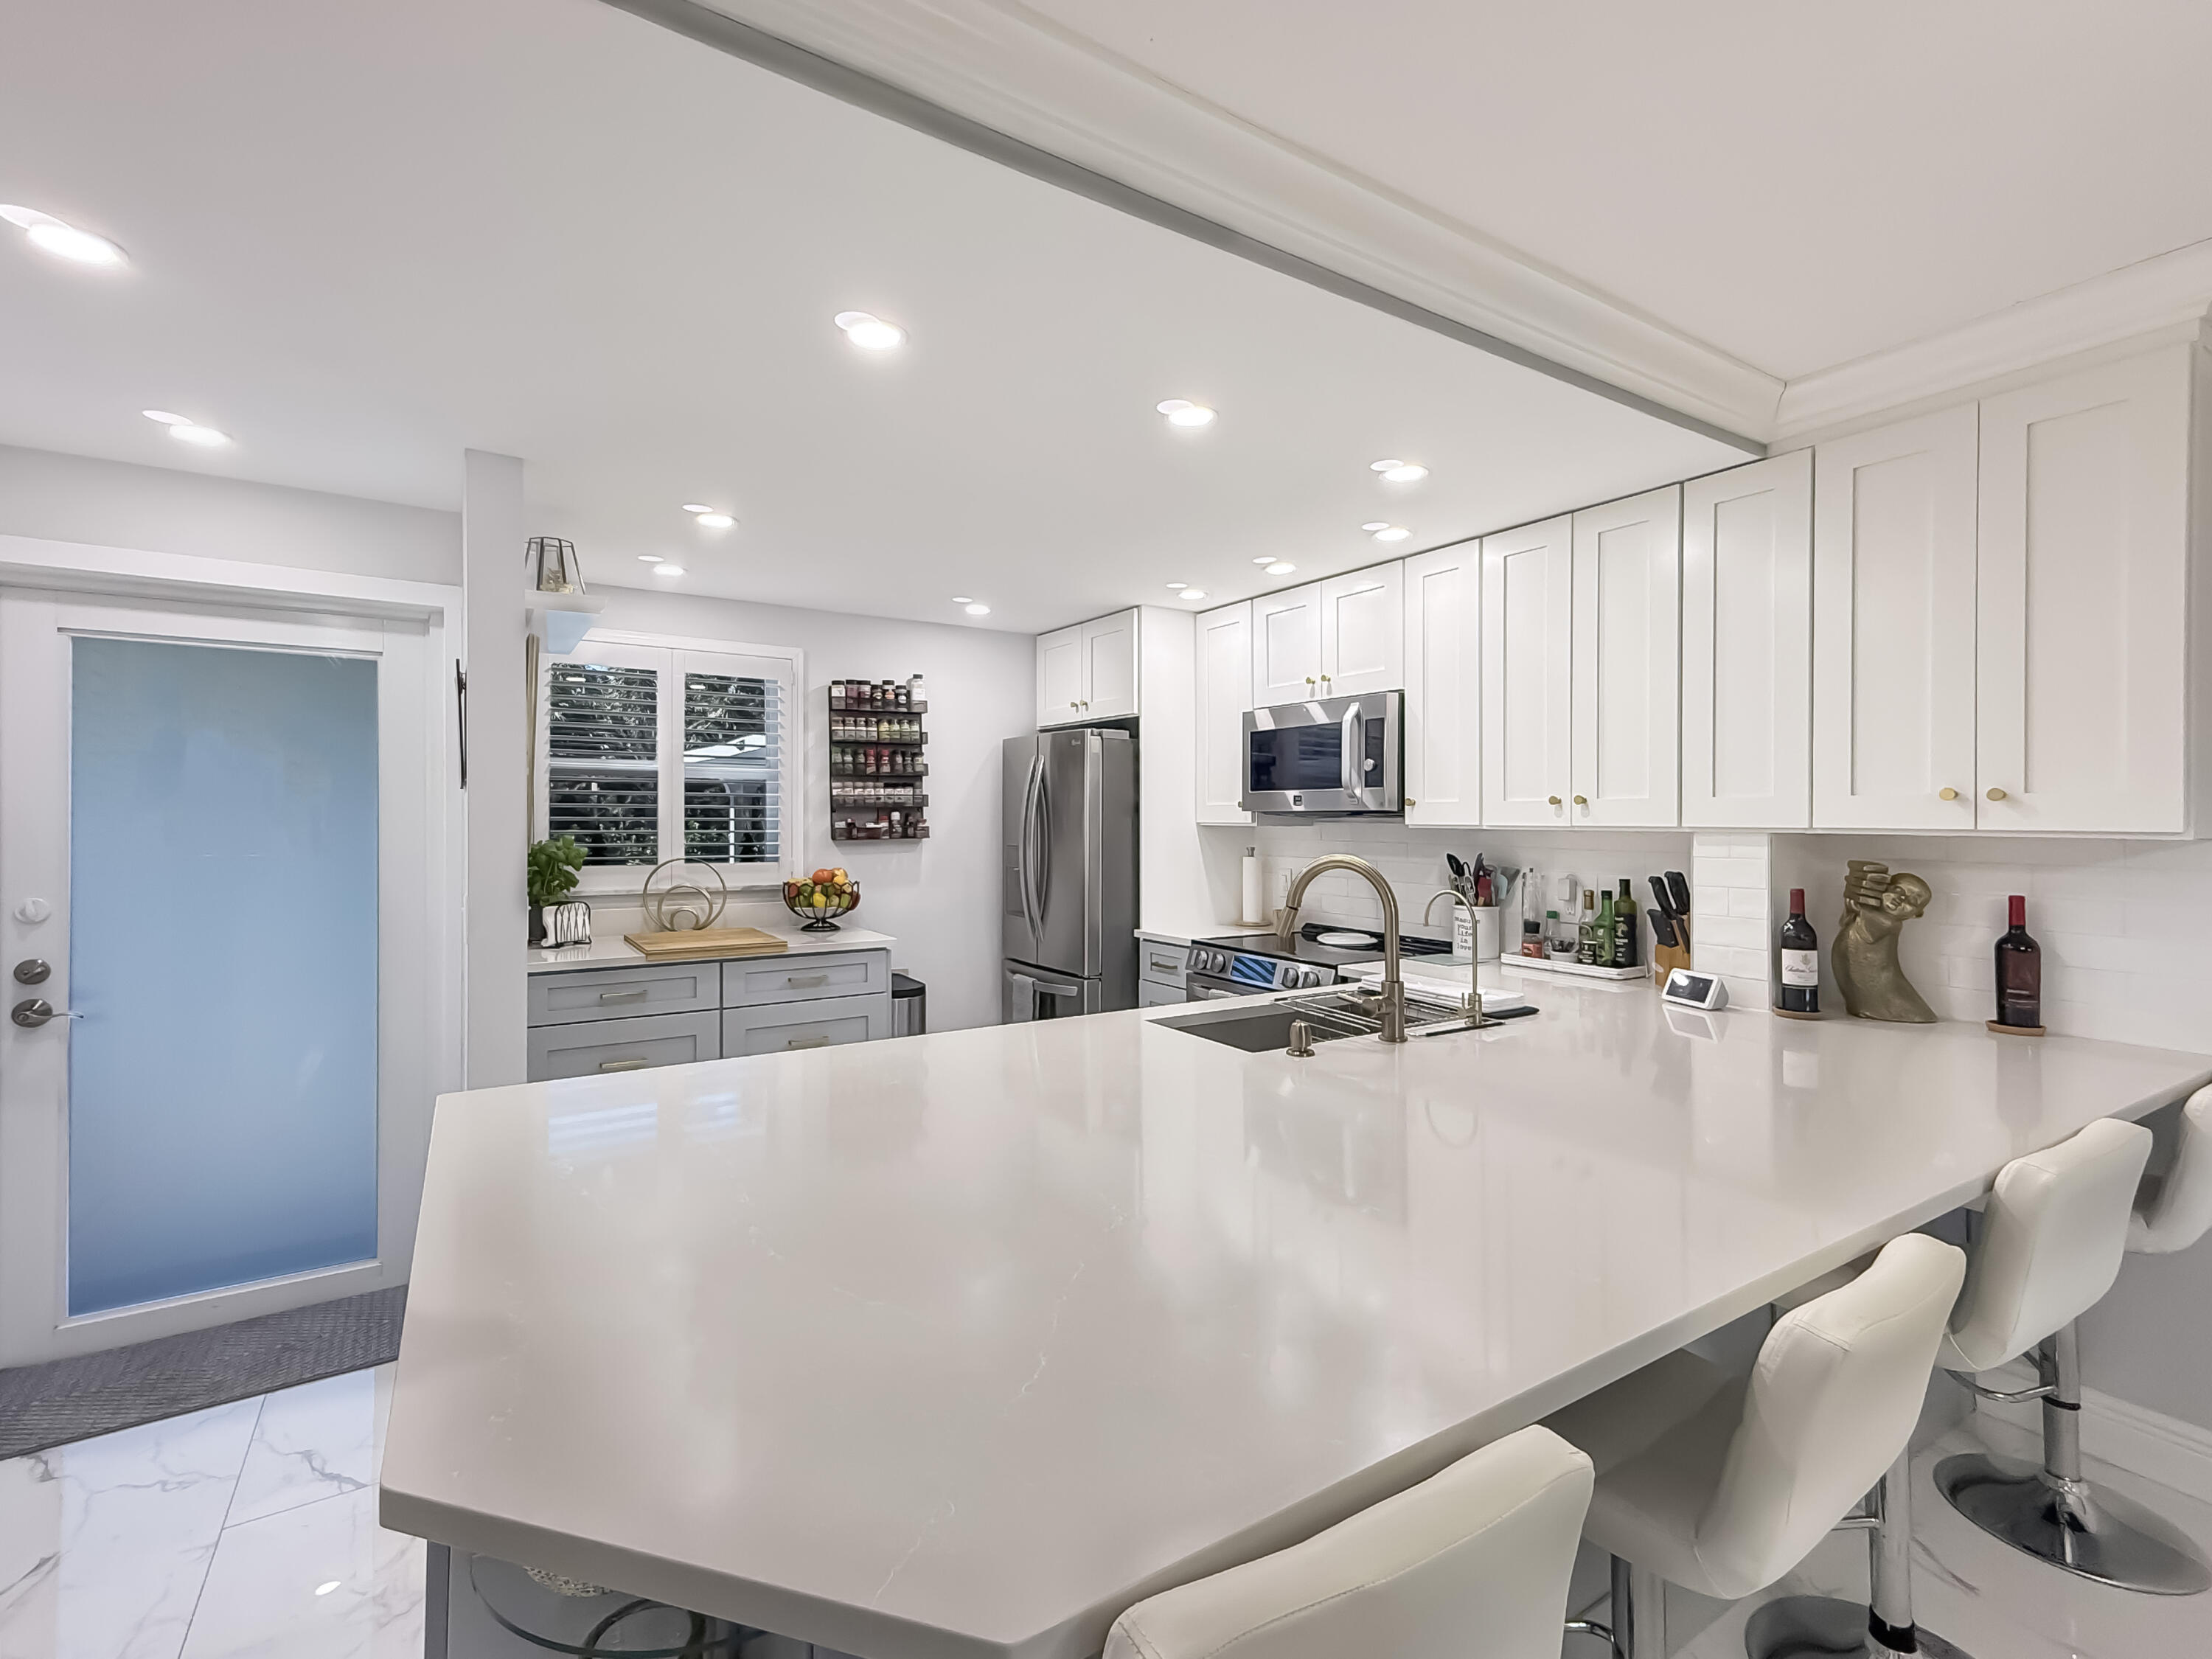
[1332,1015]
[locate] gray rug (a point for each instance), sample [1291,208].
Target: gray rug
[66,1399]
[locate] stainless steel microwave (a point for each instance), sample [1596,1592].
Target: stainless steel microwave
[1333,756]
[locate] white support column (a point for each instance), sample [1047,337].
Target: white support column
[498,912]
[1731,913]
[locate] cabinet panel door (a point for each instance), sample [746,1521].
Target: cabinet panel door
[2083,594]
[1224,692]
[1109,667]
[1747,646]
[755,981]
[1528,646]
[1286,646]
[1894,626]
[1443,687]
[1363,632]
[601,1046]
[570,996]
[1060,677]
[823,1024]
[1628,661]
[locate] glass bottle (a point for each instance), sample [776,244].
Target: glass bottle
[1800,960]
[1627,944]
[2019,970]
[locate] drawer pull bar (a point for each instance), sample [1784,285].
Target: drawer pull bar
[636,1065]
[638,995]
[805,981]
[821,1042]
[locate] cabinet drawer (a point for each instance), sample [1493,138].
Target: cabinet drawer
[581,993]
[801,979]
[1151,993]
[776,1029]
[593,1048]
[1162,964]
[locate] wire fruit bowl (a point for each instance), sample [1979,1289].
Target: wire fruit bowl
[820,897]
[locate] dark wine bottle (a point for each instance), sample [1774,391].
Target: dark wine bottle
[2020,971]
[1627,944]
[1800,960]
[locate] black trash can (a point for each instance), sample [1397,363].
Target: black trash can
[909,1006]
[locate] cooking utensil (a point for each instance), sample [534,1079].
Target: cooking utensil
[1678,888]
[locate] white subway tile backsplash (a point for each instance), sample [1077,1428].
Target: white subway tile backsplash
[1745,932]
[1747,902]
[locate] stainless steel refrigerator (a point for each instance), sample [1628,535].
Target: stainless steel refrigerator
[1070,862]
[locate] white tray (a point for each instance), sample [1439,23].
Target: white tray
[1580,969]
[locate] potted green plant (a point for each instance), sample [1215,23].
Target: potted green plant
[551,870]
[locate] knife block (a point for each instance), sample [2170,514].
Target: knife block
[1665,959]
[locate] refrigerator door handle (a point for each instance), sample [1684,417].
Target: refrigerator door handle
[1023,998]
[1032,904]
[1044,843]
[1348,752]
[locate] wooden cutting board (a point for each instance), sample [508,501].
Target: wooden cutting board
[707,942]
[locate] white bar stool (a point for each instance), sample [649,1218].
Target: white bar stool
[1472,1560]
[2050,1245]
[1723,1485]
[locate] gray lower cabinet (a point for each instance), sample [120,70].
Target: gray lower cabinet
[596,1047]
[1151,993]
[800,979]
[581,993]
[778,1028]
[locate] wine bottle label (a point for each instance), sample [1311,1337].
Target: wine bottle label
[1801,967]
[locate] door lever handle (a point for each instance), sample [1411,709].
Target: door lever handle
[35,1012]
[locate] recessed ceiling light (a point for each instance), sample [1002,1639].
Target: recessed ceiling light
[325,1587]
[716,520]
[1383,466]
[697,507]
[65,241]
[869,332]
[1181,411]
[205,436]
[1402,472]
[651,558]
[1395,532]
[1176,587]
[1192,593]
[665,568]
[1281,568]
[165,417]
[979,610]
[1264,558]
[1374,524]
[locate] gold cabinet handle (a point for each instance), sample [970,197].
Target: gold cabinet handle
[1309,679]
[1555,800]
[636,1065]
[1410,801]
[1946,794]
[1325,678]
[1582,800]
[1997,794]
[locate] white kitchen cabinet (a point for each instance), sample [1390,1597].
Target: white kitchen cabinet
[1088,672]
[1060,677]
[1363,632]
[1224,693]
[1442,599]
[1628,661]
[1528,682]
[2082,652]
[1747,646]
[1894,626]
[1286,629]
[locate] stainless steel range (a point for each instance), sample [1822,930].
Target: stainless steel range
[1249,964]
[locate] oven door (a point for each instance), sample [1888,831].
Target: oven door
[1333,756]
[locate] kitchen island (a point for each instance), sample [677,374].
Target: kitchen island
[953,1348]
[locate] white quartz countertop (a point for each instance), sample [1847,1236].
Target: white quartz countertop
[1184,934]
[613,952]
[953,1346]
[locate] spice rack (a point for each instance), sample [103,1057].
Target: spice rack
[879,760]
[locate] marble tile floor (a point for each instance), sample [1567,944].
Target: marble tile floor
[246,1531]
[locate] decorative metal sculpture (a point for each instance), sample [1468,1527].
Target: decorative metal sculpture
[681,905]
[557,569]
[1876,907]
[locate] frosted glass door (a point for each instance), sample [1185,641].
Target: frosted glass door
[223,952]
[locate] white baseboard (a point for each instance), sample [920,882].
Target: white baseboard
[2127,1436]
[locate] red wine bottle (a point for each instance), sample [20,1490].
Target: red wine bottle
[1800,960]
[2020,971]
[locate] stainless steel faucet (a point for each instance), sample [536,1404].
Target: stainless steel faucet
[1392,1010]
[1473,1000]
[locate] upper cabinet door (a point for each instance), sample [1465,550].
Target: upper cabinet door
[1060,677]
[1109,667]
[1363,632]
[1527,646]
[1894,626]
[2083,601]
[1747,646]
[1628,661]
[1443,687]
[1224,692]
[1286,662]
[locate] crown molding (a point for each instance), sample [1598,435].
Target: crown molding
[974,72]
[2172,288]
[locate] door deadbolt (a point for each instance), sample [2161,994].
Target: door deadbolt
[31,970]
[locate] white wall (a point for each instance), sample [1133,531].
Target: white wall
[74,498]
[938,898]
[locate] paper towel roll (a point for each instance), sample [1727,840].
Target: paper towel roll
[1254,893]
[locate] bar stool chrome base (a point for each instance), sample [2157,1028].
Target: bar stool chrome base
[2072,1525]
[1819,1626]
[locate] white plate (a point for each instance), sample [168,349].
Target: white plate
[1344,938]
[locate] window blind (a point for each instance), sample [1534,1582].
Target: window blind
[602,773]
[734,757]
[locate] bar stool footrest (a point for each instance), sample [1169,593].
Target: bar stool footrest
[1824,1628]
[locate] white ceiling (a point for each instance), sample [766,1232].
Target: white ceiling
[1799,186]
[364,237]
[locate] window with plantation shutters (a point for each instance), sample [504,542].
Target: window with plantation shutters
[653,752]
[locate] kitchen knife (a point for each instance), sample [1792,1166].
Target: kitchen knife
[1659,895]
[1663,926]
[1678,888]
